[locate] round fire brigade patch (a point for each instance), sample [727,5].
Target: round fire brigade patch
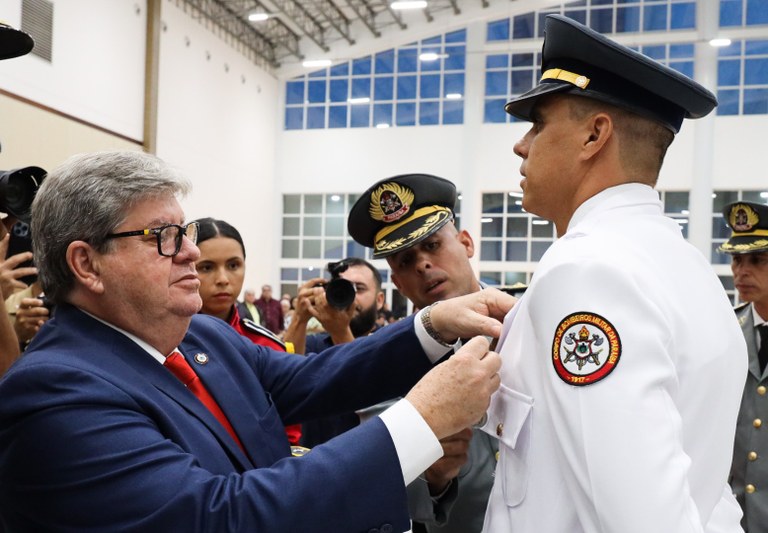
[586,348]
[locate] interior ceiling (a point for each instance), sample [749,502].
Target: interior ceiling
[309,29]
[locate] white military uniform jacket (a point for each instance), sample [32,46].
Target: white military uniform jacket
[623,368]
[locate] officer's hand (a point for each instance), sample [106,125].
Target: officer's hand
[456,394]
[479,313]
[29,317]
[455,454]
[10,273]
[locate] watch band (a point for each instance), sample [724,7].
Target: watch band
[426,322]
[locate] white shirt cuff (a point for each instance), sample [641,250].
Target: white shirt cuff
[434,350]
[416,445]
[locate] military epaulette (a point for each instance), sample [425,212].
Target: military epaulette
[253,327]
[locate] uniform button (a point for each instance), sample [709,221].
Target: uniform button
[761,390]
[752,456]
[757,422]
[750,488]
[500,430]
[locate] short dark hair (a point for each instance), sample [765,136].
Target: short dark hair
[211,227]
[356,261]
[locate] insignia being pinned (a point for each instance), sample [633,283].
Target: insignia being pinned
[201,358]
[586,348]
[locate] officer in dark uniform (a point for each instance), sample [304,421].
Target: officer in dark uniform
[748,247]
[408,220]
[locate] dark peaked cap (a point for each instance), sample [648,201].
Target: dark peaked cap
[578,60]
[14,43]
[398,212]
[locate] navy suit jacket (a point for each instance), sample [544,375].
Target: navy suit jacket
[96,435]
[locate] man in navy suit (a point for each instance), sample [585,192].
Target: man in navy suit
[97,434]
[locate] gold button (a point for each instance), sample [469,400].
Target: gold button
[752,456]
[500,430]
[757,422]
[761,390]
[750,489]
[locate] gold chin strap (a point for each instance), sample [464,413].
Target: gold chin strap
[578,80]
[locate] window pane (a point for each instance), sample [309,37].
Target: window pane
[407,60]
[496,83]
[290,249]
[683,16]
[490,251]
[406,114]
[430,86]
[339,90]
[429,113]
[334,205]
[458,36]
[493,203]
[655,18]
[382,114]
[337,116]
[492,279]
[453,83]
[361,66]
[316,92]
[522,81]
[406,87]
[360,115]
[313,203]
[334,249]
[675,202]
[510,278]
[492,227]
[523,26]
[756,12]
[538,249]
[289,274]
[541,228]
[627,19]
[334,226]
[720,229]
[361,87]
[355,250]
[294,118]
[315,117]
[497,61]
[292,204]
[601,20]
[723,198]
[453,112]
[311,249]
[456,59]
[498,30]
[383,88]
[312,226]
[294,92]
[755,101]
[517,251]
[728,72]
[522,60]
[730,12]
[494,112]
[291,226]
[385,62]
[517,226]
[756,71]
[341,69]
[728,102]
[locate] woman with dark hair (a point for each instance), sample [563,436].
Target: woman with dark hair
[221,269]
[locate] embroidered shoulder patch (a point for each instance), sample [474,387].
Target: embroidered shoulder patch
[586,348]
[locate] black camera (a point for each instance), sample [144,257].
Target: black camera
[339,292]
[17,190]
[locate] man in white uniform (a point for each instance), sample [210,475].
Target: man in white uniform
[623,364]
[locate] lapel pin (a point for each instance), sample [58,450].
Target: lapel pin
[201,358]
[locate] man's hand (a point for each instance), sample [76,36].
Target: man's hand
[455,394]
[10,274]
[305,299]
[455,454]
[479,313]
[334,321]
[29,317]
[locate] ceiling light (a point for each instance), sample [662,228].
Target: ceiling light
[720,42]
[515,194]
[486,220]
[258,17]
[453,96]
[313,63]
[360,100]
[431,56]
[408,4]
[540,222]
[382,125]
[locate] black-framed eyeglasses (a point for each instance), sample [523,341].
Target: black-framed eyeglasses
[169,238]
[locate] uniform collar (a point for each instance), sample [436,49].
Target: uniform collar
[617,196]
[759,321]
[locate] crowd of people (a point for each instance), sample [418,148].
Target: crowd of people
[620,393]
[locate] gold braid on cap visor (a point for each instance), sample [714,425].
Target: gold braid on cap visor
[578,80]
[378,240]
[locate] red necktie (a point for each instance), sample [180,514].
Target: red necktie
[181,369]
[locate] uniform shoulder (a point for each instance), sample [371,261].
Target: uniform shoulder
[741,307]
[256,329]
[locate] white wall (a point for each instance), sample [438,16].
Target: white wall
[217,126]
[97,69]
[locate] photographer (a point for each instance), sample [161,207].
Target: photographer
[342,323]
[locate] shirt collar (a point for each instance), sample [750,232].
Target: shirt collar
[612,197]
[759,321]
[155,353]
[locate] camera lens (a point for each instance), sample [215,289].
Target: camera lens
[18,189]
[340,293]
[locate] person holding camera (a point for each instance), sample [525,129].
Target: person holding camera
[346,306]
